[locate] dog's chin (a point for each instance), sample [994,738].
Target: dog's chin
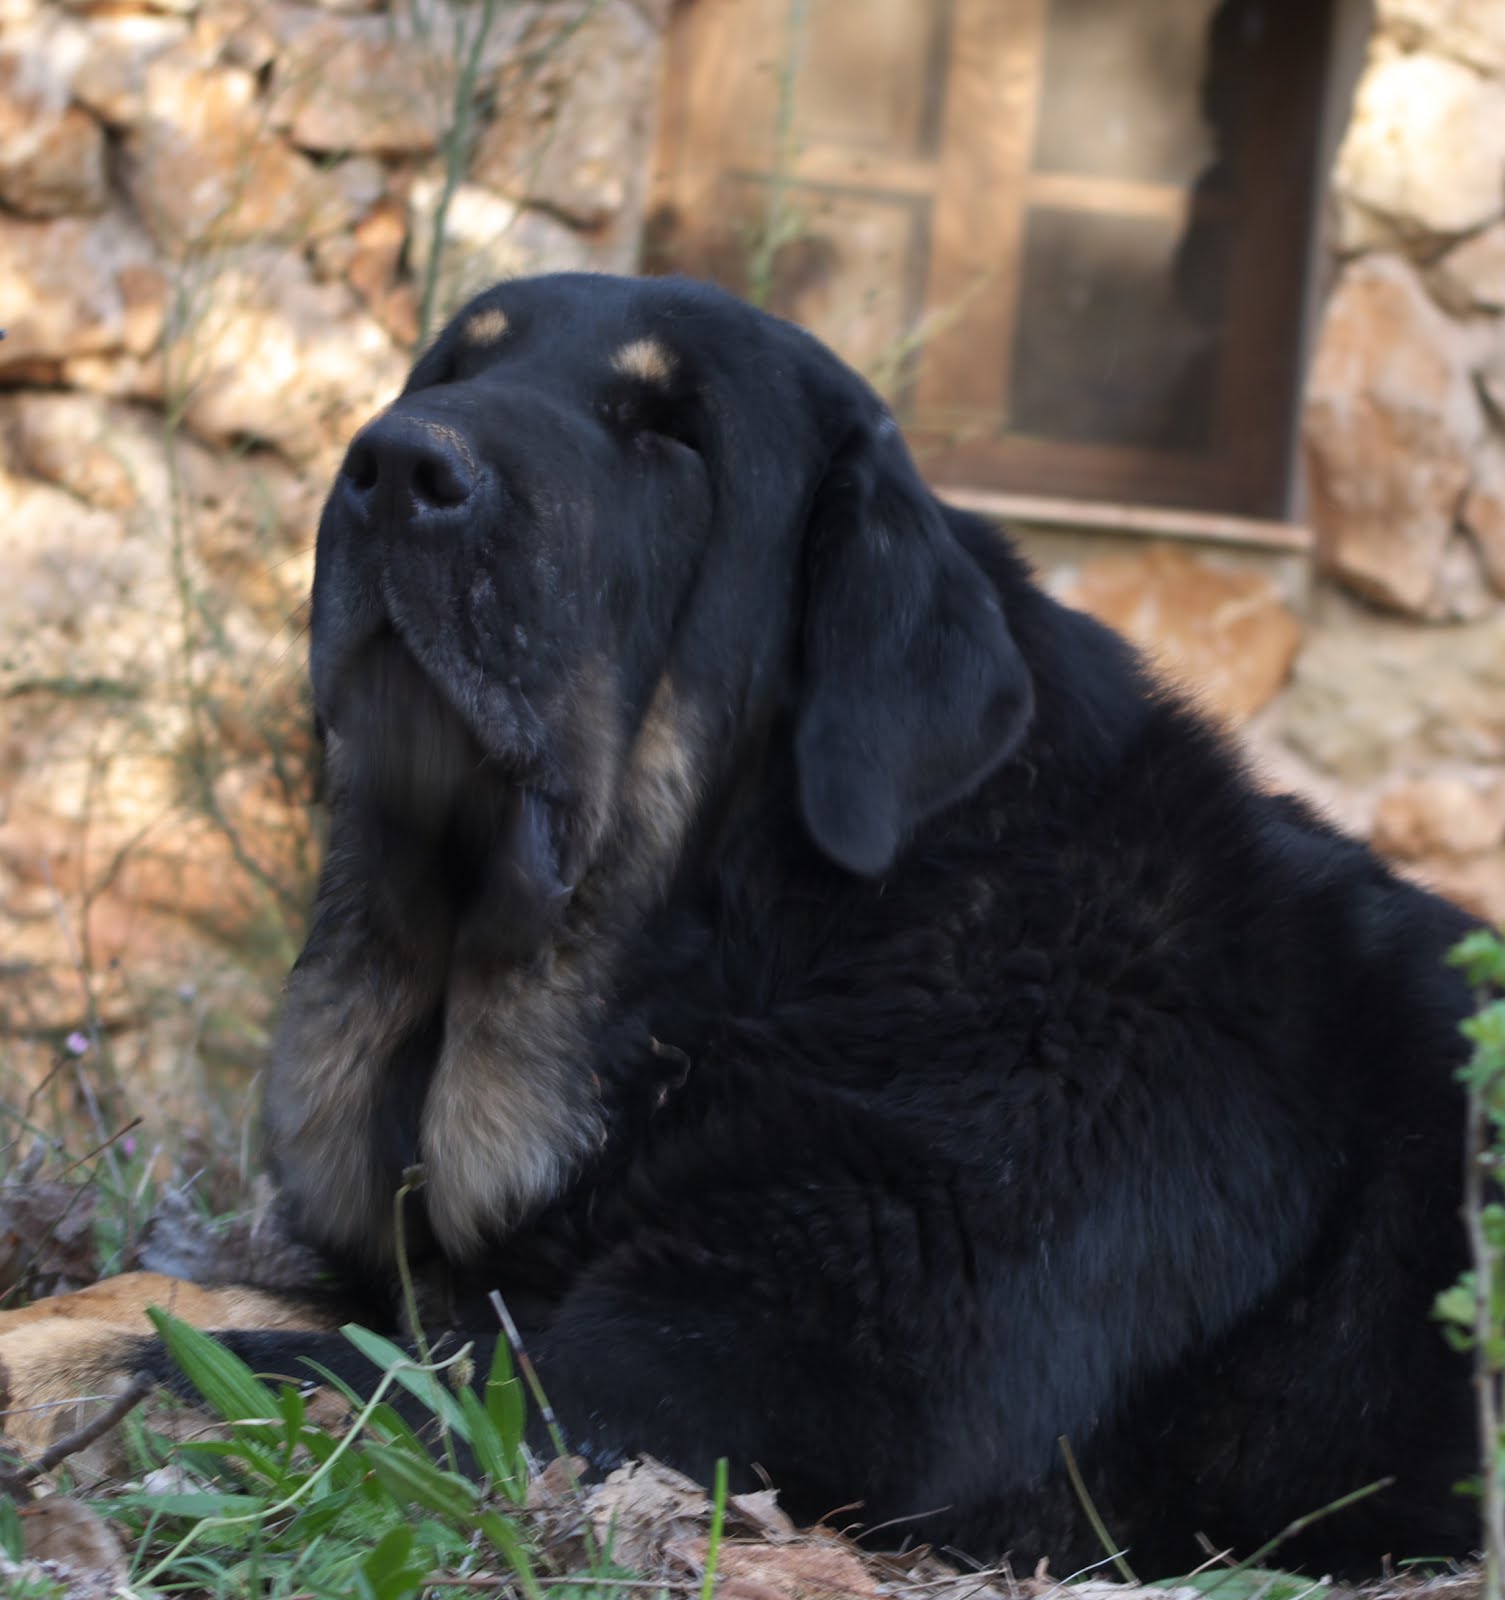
[473,826]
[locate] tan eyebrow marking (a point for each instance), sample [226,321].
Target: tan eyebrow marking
[486,327]
[646,359]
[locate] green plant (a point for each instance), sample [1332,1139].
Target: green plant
[1472,1311]
[272,1503]
[277,1503]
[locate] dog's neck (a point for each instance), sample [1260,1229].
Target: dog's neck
[390,1055]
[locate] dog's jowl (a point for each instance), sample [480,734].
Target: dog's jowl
[863,1025]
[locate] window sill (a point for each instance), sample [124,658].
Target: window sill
[1100,516]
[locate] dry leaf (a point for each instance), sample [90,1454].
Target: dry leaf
[46,1238]
[811,1569]
[557,1480]
[75,1542]
[642,1507]
[759,1513]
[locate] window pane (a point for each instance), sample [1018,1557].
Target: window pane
[1147,91]
[1118,335]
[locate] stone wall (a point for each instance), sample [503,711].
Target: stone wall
[1395,714]
[224,225]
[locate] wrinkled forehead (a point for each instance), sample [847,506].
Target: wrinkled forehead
[653,331]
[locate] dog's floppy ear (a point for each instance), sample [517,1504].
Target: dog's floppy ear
[913,689]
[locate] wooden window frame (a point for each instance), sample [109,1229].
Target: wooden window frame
[1247,479]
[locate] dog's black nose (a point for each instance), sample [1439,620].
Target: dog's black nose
[409,468]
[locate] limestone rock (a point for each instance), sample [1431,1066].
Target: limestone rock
[63,171]
[51,152]
[1471,276]
[1484,510]
[1391,421]
[352,84]
[1462,592]
[1371,695]
[1475,32]
[119,376]
[84,445]
[114,457]
[1490,376]
[273,355]
[362,180]
[1224,634]
[203,169]
[90,7]
[487,238]
[37,63]
[1471,30]
[372,270]
[111,76]
[1424,145]
[563,124]
[1440,815]
[71,591]
[78,286]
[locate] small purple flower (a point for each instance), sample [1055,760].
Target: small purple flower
[128,1146]
[76,1044]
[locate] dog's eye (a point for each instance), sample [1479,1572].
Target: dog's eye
[648,415]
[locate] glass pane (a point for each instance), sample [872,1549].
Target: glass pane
[1147,91]
[1119,330]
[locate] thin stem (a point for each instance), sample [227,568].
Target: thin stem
[15,1481]
[1478,1166]
[1099,1527]
[412,1179]
[777,229]
[457,139]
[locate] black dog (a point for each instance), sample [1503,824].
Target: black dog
[863,1025]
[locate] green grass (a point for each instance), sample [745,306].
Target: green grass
[270,1504]
[283,1506]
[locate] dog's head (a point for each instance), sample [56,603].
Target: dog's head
[601,504]
[610,535]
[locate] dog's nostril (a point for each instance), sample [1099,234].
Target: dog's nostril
[440,481]
[361,468]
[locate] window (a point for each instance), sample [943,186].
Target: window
[1067,238]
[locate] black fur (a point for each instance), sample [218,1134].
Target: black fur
[984,1060]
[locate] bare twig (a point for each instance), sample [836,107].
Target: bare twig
[100,1148]
[530,1375]
[550,1421]
[1299,1525]
[15,1481]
